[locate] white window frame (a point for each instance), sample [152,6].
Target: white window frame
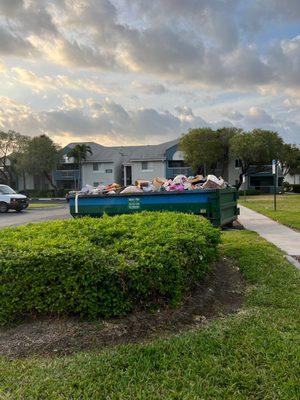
[98,169]
[147,164]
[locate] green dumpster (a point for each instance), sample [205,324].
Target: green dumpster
[218,205]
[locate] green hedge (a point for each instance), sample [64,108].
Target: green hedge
[45,193]
[296,188]
[102,267]
[250,192]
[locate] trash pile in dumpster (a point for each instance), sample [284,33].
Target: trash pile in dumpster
[179,183]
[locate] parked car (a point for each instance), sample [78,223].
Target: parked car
[10,200]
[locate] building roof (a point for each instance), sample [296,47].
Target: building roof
[126,153]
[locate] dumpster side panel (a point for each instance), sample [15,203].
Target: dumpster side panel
[220,206]
[196,203]
[228,206]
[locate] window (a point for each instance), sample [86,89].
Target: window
[6,190]
[238,163]
[176,164]
[95,166]
[108,171]
[144,165]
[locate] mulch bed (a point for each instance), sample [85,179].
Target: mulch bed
[220,293]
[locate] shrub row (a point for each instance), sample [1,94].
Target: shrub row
[296,188]
[250,192]
[44,193]
[102,267]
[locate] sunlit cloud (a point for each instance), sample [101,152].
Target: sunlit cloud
[193,63]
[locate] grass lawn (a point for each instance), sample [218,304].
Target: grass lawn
[45,205]
[253,354]
[288,207]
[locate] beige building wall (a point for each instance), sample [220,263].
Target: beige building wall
[29,180]
[233,172]
[293,179]
[155,168]
[104,176]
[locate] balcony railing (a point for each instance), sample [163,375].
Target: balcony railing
[172,172]
[66,175]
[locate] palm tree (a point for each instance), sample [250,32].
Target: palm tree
[80,153]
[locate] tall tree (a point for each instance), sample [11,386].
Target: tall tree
[18,160]
[225,135]
[290,159]
[41,157]
[80,153]
[258,147]
[202,148]
[11,144]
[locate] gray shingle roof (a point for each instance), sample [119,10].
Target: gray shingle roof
[128,153]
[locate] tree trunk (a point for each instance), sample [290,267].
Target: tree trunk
[240,180]
[200,170]
[3,176]
[80,176]
[24,180]
[49,179]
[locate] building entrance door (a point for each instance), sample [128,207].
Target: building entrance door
[128,175]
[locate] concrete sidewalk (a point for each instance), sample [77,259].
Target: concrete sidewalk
[284,238]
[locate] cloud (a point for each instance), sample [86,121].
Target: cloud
[9,8]
[29,78]
[28,16]
[149,56]
[292,103]
[109,122]
[19,117]
[233,115]
[60,82]
[257,117]
[149,88]
[14,44]
[258,13]
[198,41]
[2,67]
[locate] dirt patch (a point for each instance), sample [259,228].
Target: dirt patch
[220,293]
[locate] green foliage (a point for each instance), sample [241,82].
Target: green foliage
[91,267]
[290,159]
[252,354]
[258,147]
[201,148]
[45,193]
[288,208]
[79,152]
[250,192]
[41,156]
[296,188]
[12,145]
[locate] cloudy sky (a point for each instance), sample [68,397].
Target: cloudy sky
[141,71]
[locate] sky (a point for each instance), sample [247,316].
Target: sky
[127,72]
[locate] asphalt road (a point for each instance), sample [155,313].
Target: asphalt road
[13,218]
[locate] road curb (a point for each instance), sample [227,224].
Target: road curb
[293,261]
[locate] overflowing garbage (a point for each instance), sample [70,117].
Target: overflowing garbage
[179,183]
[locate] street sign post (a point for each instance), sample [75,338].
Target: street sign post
[244,183]
[274,172]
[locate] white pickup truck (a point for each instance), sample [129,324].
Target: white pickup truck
[10,200]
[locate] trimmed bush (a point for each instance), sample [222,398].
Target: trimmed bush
[102,267]
[250,192]
[296,188]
